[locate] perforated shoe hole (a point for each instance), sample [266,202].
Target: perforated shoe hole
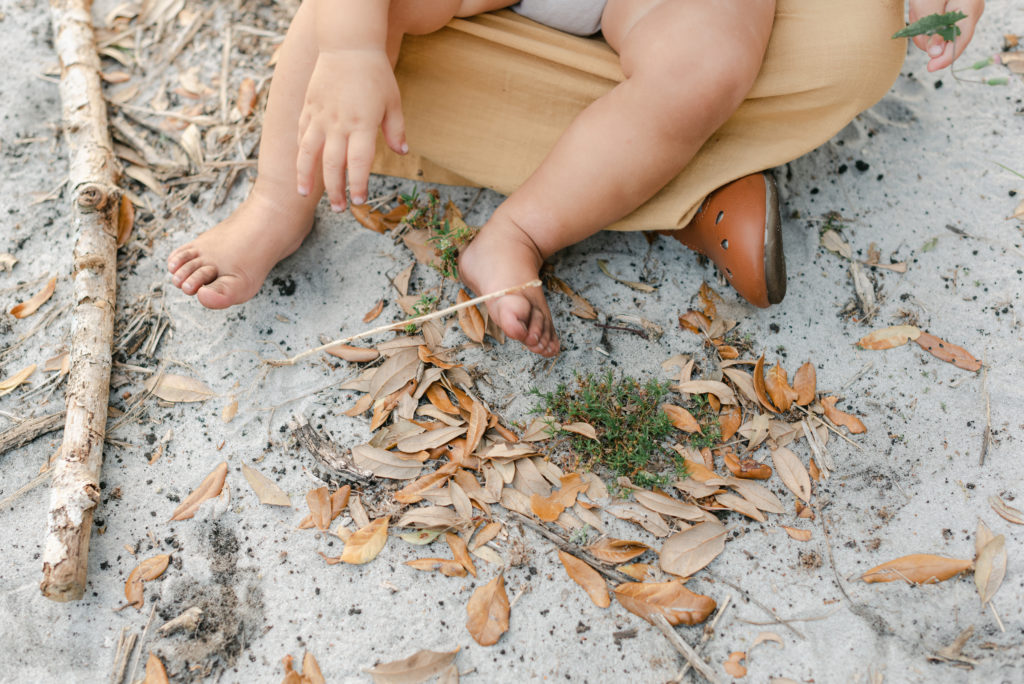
[718,219]
[728,272]
[725,244]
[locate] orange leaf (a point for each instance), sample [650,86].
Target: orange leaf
[311,673]
[671,599]
[950,353]
[470,319]
[792,472]
[686,552]
[125,220]
[374,312]
[366,542]
[547,508]
[887,338]
[155,672]
[797,533]
[373,220]
[638,571]
[614,550]
[777,385]
[588,578]
[446,566]
[853,423]
[347,352]
[918,568]
[730,420]
[147,570]
[681,418]
[460,552]
[487,612]
[747,468]
[439,398]
[759,386]
[733,665]
[805,383]
[246,97]
[319,501]
[29,307]
[207,489]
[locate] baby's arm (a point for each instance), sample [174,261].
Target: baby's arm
[942,53]
[351,93]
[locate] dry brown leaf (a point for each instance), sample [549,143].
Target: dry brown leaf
[424,441]
[649,520]
[1006,511]
[178,388]
[667,505]
[470,319]
[155,672]
[319,501]
[207,489]
[266,490]
[374,220]
[730,420]
[419,667]
[638,571]
[478,417]
[719,389]
[888,338]
[760,387]
[792,473]
[347,352]
[759,495]
[763,637]
[950,353]
[437,396]
[582,429]
[851,422]
[125,220]
[7,262]
[230,410]
[460,552]
[395,372]
[448,567]
[547,508]
[488,612]
[290,675]
[147,570]
[580,306]
[805,383]
[612,550]
[733,666]
[918,568]
[670,599]
[8,385]
[588,578]
[746,468]
[686,552]
[384,463]
[797,533]
[364,545]
[246,99]
[777,386]
[681,418]
[486,534]
[430,517]
[740,505]
[311,673]
[990,568]
[982,536]
[30,306]
[412,492]
[374,312]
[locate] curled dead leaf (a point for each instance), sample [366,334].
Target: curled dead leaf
[805,383]
[347,352]
[31,305]
[670,599]
[918,568]
[246,99]
[178,388]
[760,388]
[990,568]
[777,386]
[147,570]
[612,550]
[730,420]
[686,552]
[888,338]
[319,502]
[207,489]
[1006,511]
[851,422]
[588,578]
[734,665]
[746,468]
[364,545]
[797,533]
[419,667]
[8,385]
[266,490]
[470,319]
[792,473]
[950,353]
[460,552]
[155,672]
[547,508]
[681,418]
[582,429]
[448,567]
[488,612]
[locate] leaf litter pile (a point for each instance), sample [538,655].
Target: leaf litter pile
[675,458]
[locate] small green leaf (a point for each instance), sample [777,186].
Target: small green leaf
[981,64]
[930,245]
[941,24]
[1002,80]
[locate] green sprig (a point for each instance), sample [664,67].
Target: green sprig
[934,24]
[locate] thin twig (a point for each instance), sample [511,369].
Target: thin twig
[768,609]
[987,437]
[401,324]
[830,427]
[684,649]
[32,484]
[142,642]
[574,549]
[709,631]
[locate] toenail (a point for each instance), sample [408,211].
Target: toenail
[358,199]
[336,208]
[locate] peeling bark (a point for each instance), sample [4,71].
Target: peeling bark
[95,203]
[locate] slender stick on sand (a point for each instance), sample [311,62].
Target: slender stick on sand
[410,321]
[95,211]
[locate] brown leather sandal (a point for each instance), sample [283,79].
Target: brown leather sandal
[739,229]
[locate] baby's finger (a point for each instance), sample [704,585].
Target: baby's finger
[309,153]
[394,128]
[360,159]
[334,171]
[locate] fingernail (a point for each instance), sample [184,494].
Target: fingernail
[405,148]
[303,190]
[936,50]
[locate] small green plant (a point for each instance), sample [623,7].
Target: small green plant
[580,536]
[451,235]
[626,414]
[943,25]
[710,434]
[425,304]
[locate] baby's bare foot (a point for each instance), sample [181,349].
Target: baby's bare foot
[501,256]
[227,264]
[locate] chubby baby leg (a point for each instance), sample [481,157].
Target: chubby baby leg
[688,65]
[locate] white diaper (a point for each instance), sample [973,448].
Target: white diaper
[582,17]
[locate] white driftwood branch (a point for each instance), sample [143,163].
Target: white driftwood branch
[95,203]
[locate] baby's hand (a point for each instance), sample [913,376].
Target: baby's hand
[350,94]
[943,53]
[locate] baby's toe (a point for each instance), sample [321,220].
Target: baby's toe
[201,276]
[185,271]
[180,256]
